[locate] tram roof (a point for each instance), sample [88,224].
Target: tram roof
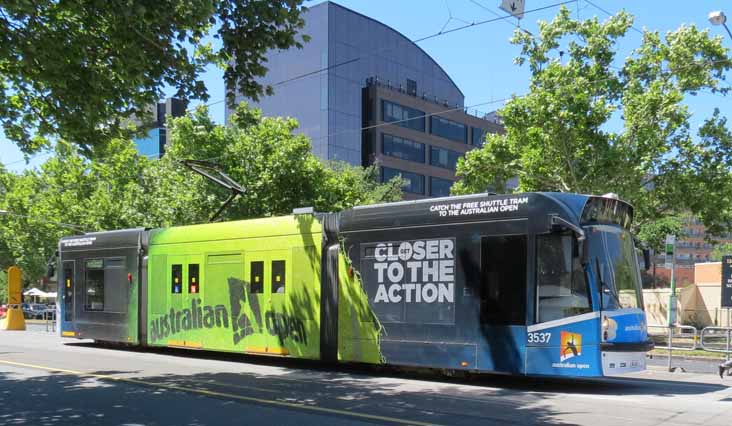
[468,208]
[250,228]
[120,238]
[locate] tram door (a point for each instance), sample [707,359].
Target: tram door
[68,280]
[277,319]
[193,291]
[267,273]
[176,296]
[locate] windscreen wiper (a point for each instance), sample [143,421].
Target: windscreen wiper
[604,286]
[214,173]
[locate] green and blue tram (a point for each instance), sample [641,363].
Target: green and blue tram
[534,284]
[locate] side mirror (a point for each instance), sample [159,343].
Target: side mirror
[646,259]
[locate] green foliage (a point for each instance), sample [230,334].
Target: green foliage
[724,249]
[118,188]
[70,193]
[558,136]
[275,166]
[76,69]
[3,287]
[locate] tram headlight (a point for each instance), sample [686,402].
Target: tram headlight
[609,328]
[605,327]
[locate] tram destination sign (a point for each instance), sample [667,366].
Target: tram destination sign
[727,281]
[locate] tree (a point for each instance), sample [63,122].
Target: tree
[275,166]
[560,137]
[724,249]
[69,194]
[76,69]
[118,188]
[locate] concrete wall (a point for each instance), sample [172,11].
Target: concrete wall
[698,303]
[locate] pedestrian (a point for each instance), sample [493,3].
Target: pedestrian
[725,366]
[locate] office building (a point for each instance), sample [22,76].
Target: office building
[356,73]
[153,144]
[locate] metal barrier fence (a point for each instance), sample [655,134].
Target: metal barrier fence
[50,319]
[710,340]
[682,333]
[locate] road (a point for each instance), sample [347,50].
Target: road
[46,380]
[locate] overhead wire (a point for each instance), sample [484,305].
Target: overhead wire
[644,109]
[610,14]
[418,40]
[318,71]
[438,34]
[494,13]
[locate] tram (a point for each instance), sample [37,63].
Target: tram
[532,284]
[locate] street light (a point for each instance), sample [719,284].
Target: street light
[719,18]
[65,225]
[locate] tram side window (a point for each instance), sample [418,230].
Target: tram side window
[256,278]
[503,280]
[105,287]
[562,289]
[278,276]
[94,291]
[68,292]
[176,279]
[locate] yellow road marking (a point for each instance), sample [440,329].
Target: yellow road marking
[223,395]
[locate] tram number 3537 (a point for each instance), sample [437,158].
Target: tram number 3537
[539,337]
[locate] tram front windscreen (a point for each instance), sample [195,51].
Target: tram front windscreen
[613,253]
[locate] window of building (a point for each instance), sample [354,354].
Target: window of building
[194,284]
[477,136]
[411,87]
[503,280]
[415,182]
[440,187]
[402,116]
[405,149]
[256,277]
[562,290]
[176,279]
[444,158]
[448,129]
[278,276]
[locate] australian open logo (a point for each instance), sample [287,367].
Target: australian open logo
[571,345]
[246,317]
[196,317]
[421,271]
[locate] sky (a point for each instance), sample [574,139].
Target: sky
[480,58]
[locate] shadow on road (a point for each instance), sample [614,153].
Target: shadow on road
[601,386]
[251,398]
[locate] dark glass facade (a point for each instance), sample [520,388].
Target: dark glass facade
[440,187]
[448,129]
[405,149]
[444,158]
[362,107]
[344,50]
[415,182]
[153,144]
